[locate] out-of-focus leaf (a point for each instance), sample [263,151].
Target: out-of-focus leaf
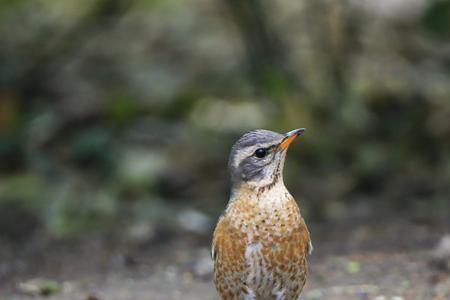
[40,287]
[437,19]
[121,109]
[91,148]
[353,267]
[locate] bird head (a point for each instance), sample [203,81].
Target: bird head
[257,158]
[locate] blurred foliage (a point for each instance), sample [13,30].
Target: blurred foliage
[437,19]
[115,113]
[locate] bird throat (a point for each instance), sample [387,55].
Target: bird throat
[262,210]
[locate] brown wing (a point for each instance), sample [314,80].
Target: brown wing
[228,249]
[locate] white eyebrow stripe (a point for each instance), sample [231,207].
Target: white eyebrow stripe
[249,152]
[242,154]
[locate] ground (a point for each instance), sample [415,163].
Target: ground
[391,261]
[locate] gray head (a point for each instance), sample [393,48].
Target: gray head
[257,158]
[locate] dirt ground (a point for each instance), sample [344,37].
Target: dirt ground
[389,261]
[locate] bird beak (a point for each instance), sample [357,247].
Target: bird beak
[289,138]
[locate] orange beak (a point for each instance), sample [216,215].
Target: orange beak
[290,137]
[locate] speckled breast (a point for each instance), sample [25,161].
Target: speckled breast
[266,256]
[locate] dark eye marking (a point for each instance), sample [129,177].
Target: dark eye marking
[260,152]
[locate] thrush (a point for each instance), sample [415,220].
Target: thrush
[261,242]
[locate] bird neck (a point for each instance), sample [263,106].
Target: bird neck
[259,210]
[273,194]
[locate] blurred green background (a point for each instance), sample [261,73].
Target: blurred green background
[117,116]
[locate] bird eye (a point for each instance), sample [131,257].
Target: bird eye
[260,152]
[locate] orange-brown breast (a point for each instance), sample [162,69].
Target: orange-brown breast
[229,245]
[260,248]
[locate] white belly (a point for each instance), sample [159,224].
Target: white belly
[260,281]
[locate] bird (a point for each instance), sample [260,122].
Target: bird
[261,243]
